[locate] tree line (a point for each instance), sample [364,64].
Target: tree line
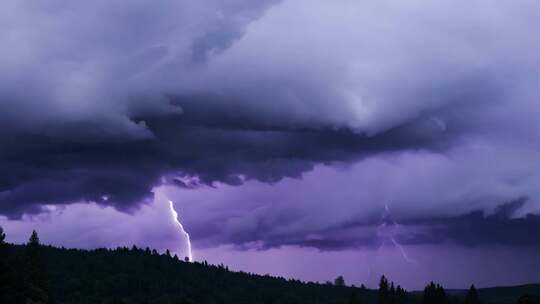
[36,274]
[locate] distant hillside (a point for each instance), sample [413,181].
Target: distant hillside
[141,276]
[502,295]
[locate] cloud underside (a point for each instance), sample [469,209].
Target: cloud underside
[473,229]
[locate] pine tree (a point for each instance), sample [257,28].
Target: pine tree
[429,294]
[6,288]
[440,295]
[36,289]
[472,296]
[2,236]
[434,294]
[401,295]
[384,292]
[392,294]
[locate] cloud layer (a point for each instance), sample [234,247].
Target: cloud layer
[420,106]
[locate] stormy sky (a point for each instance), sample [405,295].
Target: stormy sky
[398,137]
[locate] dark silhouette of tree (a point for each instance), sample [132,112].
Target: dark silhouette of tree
[6,287]
[429,294]
[2,236]
[401,295]
[339,281]
[434,294]
[440,295]
[388,293]
[35,276]
[383,295]
[392,292]
[472,296]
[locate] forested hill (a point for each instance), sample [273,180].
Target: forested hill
[142,276]
[33,273]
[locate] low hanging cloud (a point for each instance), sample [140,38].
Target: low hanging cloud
[341,209]
[102,102]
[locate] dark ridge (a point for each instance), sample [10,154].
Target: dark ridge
[135,275]
[144,276]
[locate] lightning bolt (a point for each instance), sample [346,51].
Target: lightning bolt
[386,233]
[188,240]
[402,250]
[387,221]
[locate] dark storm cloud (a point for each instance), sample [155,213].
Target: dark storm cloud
[500,228]
[104,101]
[73,78]
[476,228]
[39,170]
